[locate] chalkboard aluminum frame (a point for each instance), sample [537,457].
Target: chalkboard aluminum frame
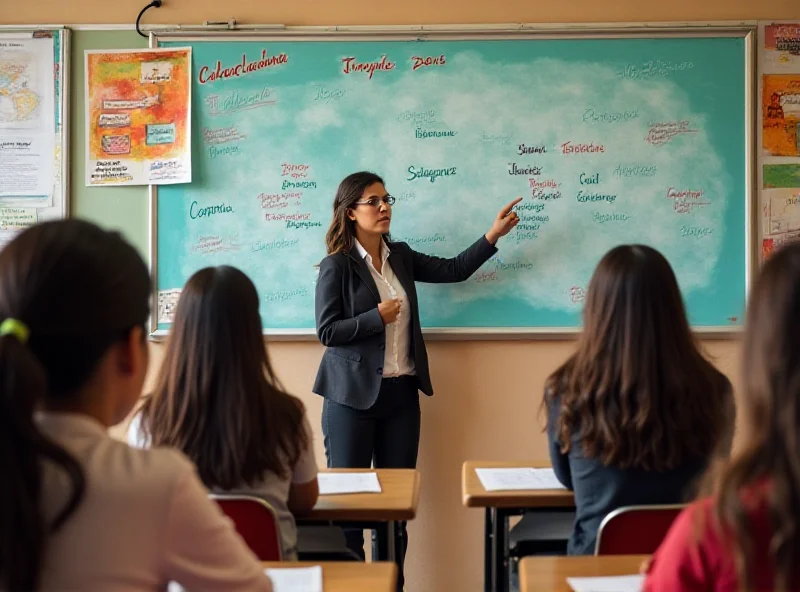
[746,30]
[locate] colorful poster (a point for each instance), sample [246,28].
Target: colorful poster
[27,125]
[779,193]
[781,47]
[780,206]
[780,102]
[138,117]
[781,176]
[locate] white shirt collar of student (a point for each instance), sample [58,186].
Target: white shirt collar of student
[363,252]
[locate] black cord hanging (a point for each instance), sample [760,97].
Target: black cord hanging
[153,4]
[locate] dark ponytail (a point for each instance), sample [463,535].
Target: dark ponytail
[76,289]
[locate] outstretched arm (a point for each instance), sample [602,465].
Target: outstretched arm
[440,270]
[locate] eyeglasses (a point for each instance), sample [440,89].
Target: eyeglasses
[375,202]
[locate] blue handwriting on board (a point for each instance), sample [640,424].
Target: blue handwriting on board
[196,212]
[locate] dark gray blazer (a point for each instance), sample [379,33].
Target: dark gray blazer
[601,489]
[349,325]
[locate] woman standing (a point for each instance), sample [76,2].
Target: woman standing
[367,317]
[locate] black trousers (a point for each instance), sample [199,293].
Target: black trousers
[385,436]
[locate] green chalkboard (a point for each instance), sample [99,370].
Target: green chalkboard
[609,140]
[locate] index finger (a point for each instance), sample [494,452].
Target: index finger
[506,210]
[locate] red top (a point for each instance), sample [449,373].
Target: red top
[696,556]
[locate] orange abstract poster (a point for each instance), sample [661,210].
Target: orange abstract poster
[138,117]
[780,103]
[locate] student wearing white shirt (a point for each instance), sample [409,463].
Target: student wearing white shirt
[218,401]
[80,510]
[367,317]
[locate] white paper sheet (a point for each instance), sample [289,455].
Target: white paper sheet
[27,117]
[607,584]
[333,483]
[514,479]
[296,579]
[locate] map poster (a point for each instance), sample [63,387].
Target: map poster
[27,123]
[138,117]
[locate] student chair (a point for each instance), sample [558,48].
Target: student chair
[635,530]
[256,522]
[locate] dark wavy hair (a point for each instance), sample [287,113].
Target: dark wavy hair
[770,450]
[638,392]
[341,232]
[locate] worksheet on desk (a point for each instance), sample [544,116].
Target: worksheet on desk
[339,483]
[518,478]
[607,584]
[296,579]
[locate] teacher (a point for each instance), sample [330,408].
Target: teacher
[368,319]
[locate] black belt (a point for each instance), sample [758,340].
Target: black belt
[396,379]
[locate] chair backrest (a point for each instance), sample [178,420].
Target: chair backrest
[635,530]
[256,522]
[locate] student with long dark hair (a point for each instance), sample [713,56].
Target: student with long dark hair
[80,510]
[218,401]
[636,414]
[746,535]
[367,316]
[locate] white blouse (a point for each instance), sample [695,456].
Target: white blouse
[397,360]
[145,521]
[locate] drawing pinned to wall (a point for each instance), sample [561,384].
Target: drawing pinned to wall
[781,47]
[27,123]
[780,100]
[780,206]
[781,175]
[138,113]
[779,191]
[167,302]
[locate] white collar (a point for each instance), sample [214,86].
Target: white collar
[363,252]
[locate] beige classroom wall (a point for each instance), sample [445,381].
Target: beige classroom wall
[369,12]
[487,393]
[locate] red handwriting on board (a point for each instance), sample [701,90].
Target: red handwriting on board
[422,62]
[217,72]
[487,276]
[296,171]
[350,65]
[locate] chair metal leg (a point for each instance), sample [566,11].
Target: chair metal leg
[488,540]
[500,550]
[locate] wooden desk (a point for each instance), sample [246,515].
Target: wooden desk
[549,574]
[397,502]
[347,576]
[499,505]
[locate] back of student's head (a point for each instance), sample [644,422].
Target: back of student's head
[217,398]
[69,291]
[638,391]
[770,405]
